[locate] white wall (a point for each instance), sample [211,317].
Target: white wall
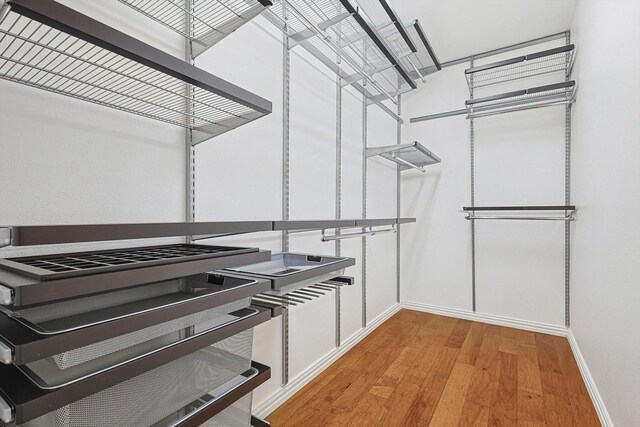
[519,160]
[64,161]
[606,188]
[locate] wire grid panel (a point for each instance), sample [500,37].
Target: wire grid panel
[375,12]
[210,20]
[152,396]
[40,56]
[522,100]
[421,59]
[551,61]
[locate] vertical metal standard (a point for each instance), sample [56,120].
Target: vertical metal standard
[473,222]
[190,154]
[567,195]
[285,185]
[364,208]
[338,181]
[398,186]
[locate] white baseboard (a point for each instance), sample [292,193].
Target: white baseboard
[278,398]
[596,398]
[487,318]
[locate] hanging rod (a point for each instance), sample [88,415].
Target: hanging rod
[569,217]
[438,115]
[571,209]
[370,232]
[520,208]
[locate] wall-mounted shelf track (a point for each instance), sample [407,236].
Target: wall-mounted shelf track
[210,20]
[559,59]
[518,211]
[424,60]
[408,156]
[332,29]
[47,45]
[542,96]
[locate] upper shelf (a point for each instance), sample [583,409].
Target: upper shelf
[542,96]
[409,156]
[345,39]
[535,64]
[206,22]
[46,45]
[424,60]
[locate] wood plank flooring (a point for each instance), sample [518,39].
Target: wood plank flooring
[419,369]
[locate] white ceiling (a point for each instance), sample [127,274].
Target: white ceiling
[459,28]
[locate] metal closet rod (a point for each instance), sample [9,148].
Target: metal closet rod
[568,216]
[369,232]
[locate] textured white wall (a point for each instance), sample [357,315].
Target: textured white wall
[606,188]
[519,160]
[65,161]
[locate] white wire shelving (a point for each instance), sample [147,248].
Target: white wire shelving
[423,61]
[408,156]
[559,59]
[46,45]
[205,22]
[343,37]
[537,97]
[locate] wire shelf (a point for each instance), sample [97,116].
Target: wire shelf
[206,23]
[408,156]
[543,96]
[424,60]
[549,61]
[344,39]
[49,46]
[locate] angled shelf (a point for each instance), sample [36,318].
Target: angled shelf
[210,20]
[408,156]
[46,45]
[343,38]
[535,64]
[542,96]
[423,60]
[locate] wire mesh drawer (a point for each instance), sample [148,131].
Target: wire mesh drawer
[69,366]
[160,393]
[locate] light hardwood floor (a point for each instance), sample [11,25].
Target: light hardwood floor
[420,369]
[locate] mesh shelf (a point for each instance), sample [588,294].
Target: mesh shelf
[423,61]
[408,156]
[49,46]
[549,61]
[543,96]
[210,20]
[332,29]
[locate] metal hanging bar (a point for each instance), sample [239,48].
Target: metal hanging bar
[370,232]
[569,217]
